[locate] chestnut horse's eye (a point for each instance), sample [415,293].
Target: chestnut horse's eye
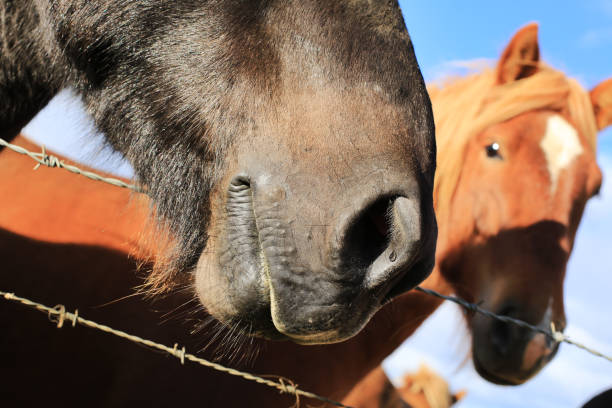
[493,150]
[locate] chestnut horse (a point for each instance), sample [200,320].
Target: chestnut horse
[518,153]
[235,116]
[508,219]
[59,207]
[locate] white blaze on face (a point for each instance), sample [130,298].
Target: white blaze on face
[561,146]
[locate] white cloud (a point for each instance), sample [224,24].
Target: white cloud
[456,68]
[596,37]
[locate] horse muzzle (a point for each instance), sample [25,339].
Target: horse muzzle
[282,281]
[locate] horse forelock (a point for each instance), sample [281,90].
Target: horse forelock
[465,107]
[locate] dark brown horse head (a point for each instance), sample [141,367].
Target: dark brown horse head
[288,146]
[528,169]
[322,209]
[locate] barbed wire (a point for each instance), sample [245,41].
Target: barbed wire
[59,311]
[42,158]
[554,334]
[54,162]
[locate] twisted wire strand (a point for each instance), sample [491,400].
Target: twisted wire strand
[60,313]
[42,158]
[557,336]
[54,162]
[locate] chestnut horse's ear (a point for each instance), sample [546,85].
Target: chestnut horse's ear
[458,396]
[520,58]
[601,98]
[407,382]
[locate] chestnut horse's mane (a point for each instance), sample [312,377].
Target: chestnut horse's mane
[466,106]
[434,387]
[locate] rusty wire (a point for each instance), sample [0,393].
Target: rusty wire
[61,315]
[554,334]
[42,158]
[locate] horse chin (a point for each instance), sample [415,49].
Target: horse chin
[234,283]
[508,375]
[235,289]
[507,379]
[232,287]
[250,307]
[330,324]
[493,377]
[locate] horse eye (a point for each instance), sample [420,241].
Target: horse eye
[493,150]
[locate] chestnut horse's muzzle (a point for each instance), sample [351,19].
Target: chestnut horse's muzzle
[507,354]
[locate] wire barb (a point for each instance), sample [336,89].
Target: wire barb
[61,314]
[42,158]
[51,161]
[553,333]
[180,354]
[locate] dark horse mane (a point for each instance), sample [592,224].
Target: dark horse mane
[144,62]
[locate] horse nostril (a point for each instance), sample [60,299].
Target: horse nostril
[368,235]
[382,241]
[240,183]
[503,334]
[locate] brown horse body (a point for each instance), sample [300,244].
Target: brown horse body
[334,369]
[99,214]
[80,260]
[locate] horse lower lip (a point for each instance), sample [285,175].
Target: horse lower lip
[309,336]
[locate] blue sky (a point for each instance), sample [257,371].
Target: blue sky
[575,37]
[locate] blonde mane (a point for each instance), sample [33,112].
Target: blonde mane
[434,387]
[465,107]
